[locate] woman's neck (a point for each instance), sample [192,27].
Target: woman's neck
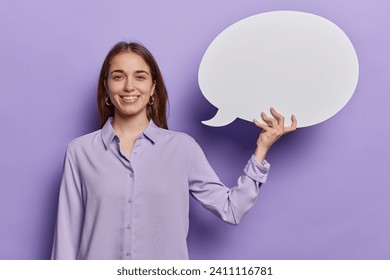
[129,127]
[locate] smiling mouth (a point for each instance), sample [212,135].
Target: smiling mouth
[130,98]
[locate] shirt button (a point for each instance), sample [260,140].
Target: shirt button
[135,153]
[129,201]
[128,227]
[131,175]
[128,253]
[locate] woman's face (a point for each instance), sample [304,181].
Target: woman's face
[129,84]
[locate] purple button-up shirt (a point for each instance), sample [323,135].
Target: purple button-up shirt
[112,206]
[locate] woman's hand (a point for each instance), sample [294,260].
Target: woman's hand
[272,131]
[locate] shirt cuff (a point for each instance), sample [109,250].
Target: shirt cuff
[257,171]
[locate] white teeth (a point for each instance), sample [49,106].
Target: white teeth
[131,98]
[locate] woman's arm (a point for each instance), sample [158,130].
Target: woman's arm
[231,204]
[70,217]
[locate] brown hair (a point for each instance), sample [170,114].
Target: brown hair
[156,111]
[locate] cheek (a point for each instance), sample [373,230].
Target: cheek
[145,88]
[115,87]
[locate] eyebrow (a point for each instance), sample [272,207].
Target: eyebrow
[123,72]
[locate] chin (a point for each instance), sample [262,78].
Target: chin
[131,113]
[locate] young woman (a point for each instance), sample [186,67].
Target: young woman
[125,188]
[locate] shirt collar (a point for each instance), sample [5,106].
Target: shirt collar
[108,133]
[151,131]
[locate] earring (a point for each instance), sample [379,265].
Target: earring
[151,98]
[108,101]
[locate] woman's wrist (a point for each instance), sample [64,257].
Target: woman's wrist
[260,153]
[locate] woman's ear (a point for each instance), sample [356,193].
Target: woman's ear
[153,88]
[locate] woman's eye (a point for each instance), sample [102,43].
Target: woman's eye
[117,77]
[141,77]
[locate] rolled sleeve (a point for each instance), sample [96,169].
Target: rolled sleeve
[256,171]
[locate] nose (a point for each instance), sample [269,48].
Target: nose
[129,86]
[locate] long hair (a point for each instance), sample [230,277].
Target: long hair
[157,111]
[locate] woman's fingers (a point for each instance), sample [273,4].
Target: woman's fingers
[293,125]
[278,117]
[277,122]
[261,125]
[270,121]
[266,119]
[273,128]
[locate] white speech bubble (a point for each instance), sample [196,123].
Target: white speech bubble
[297,62]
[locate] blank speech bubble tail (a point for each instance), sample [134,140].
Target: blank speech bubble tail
[221,118]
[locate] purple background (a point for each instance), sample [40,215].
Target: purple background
[328,195]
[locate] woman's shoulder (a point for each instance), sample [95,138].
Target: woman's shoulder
[176,136]
[85,141]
